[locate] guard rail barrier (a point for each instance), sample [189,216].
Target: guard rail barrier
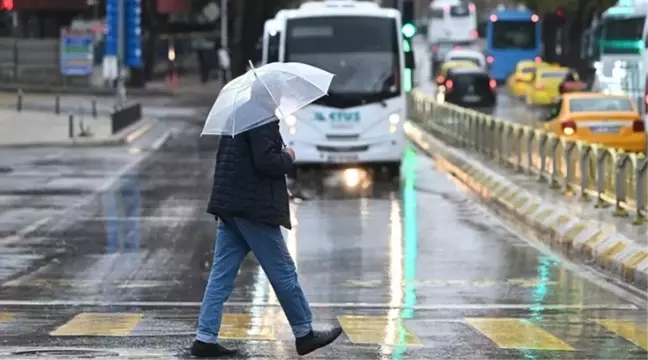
[613,177]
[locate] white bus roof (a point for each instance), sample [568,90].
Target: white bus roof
[638,8]
[441,3]
[342,7]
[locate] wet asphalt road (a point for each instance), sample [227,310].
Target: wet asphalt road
[106,252]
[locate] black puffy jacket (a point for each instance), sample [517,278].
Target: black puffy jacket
[250,177]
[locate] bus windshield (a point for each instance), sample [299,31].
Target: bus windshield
[623,35]
[361,51]
[508,34]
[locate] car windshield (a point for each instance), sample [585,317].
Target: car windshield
[553,75]
[600,104]
[509,34]
[465,59]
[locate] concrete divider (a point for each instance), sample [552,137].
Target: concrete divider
[586,240]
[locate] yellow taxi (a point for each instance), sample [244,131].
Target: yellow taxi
[544,86]
[523,73]
[443,72]
[610,120]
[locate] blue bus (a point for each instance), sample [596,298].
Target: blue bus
[512,35]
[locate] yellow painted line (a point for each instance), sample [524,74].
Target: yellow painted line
[542,216]
[247,327]
[99,324]
[6,316]
[630,266]
[508,333]
[532,208]
[572,233]
[521,202]
[377,330]
[607,255]
[590,244]
[137,133]
[627,329]
[562,220]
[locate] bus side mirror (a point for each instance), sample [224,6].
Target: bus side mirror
[409,60]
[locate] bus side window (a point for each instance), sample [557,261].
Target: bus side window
[437,13]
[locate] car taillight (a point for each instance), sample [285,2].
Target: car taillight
[449,84]
[568,127]
[538,59]
[638,126]
[435,48]
[490,59]
[457,47]
[539,86]
[493,84]
[475,34]
[440,79]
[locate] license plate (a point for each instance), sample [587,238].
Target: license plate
[471,98]
[605,129]
[337,159]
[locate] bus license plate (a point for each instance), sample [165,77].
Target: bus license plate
[340,159]
[605,129]
[471,98]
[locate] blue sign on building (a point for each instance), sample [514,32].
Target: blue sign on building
[111,31]
[133,33]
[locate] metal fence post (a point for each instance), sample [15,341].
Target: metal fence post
[641,177]
[71,126]
[554,142]
[600,178]
[619,184]
[583,154]
[57,104]
[569,167]
[19,100]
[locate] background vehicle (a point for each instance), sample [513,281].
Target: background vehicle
[518,82]
[571,83]
[543,89]
[467,55]
[512,35]
[361,119]
[271,37]
[624,45]
[611,120]
[441,78]
[452,24]
[469,87]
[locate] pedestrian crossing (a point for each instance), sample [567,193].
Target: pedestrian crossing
[502,332]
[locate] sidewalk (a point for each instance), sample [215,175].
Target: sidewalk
[187,84]
[568,225]
[33,128]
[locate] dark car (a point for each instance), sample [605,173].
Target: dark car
[469,87]
[571,83]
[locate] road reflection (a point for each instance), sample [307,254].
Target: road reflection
[121,211]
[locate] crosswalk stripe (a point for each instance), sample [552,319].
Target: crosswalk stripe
[99,324]
[247,327]
[509,333]
[627,329]
[363,329]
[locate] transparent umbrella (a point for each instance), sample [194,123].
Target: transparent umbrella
[263,95]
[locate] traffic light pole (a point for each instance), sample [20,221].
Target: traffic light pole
[120,94]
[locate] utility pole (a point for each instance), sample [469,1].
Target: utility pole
[224,24]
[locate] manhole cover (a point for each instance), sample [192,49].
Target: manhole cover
[66,353]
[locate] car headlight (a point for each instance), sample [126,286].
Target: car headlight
[394,119]
[290,120]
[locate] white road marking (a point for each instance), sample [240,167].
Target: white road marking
[191,304]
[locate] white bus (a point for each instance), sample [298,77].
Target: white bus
[360,121]
[271,35]
[452,24]
[624,52]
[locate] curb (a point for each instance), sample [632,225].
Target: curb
[588,241]
[40,89]
[124,136]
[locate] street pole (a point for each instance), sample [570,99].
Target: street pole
[224,23]
[120,95]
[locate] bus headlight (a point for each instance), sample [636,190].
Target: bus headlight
[290,120]
[394,119]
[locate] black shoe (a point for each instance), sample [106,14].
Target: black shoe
[316,339]
[205,350]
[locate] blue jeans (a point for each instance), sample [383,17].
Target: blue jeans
[235,238]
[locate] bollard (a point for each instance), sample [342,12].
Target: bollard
[71,126]
[19,102]
[57,104]
[94,108]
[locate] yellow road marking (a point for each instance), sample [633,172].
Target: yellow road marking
[247,327]
[627,329]
[99,324]
[510,333]
[363,329]
[5,316]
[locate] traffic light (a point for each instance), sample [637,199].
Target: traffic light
[407,18]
